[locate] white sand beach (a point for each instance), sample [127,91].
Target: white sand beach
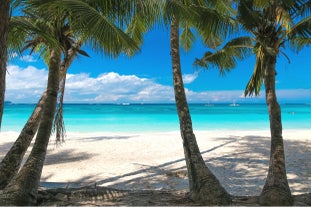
[155,160]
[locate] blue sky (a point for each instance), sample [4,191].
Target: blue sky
[147,78]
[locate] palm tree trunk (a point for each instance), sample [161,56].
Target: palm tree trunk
[59,119]
[204,186]
[4,28]
[23,189]
[10,164]
[276,190]
[59,125]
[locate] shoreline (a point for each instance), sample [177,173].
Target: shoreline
[136,161]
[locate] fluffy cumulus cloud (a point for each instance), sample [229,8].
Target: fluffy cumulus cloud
[25,85]
[189,78]
[115,88]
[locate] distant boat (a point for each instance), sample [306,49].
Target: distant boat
[125,104]
[209,105]
[234,104]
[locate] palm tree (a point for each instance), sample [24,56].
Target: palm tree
[69,56]
[10,164]
[204,186]
[272,25]
[14,157]
[23,187]
[6,8]
[137,16]
[4,28]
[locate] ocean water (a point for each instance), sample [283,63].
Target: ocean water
[162,117]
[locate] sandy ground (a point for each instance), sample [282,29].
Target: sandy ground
[155,160]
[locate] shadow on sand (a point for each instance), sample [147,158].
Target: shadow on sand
[241,171]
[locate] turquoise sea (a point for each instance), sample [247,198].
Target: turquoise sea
[162,117]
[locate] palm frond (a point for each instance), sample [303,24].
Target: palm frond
[100,29]
[103,35]
[299,43]
[227,57]
[261,3]
[247,15]
[301,29]
[283,18]
[222,6]
[25,28]
[254,84]
[299,35]
[178,9]
[300,8]
[187,37]
[213,24]
[136,29]
[16,37]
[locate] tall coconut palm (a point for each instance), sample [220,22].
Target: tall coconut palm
[4,28]
[10,164]
[136,16]
[6,8]
[23,187]
[205,188]
[272,24]
[69,56]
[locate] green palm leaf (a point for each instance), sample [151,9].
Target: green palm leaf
[227,57]
[187,37]
[254,84]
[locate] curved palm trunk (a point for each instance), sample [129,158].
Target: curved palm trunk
[59,119]
[276,190]
[204,186]
[4,28]
[10,164]
[23,189]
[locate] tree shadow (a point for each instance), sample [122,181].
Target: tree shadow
[149,177]
[66,156]
[97,138]
[242,170]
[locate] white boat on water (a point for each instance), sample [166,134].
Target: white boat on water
[234,104]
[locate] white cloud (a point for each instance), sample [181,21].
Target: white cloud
[189,78]
[113,87]
[28,58]
[297,94]
[25,85]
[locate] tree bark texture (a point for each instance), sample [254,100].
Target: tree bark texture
[276,190]
[4,28]
[204,186]
[11,163]
[23,189]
